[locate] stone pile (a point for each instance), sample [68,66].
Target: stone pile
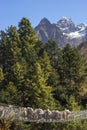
[30,114]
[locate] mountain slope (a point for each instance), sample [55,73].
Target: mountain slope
[63,32]
[45,31]
[83,49]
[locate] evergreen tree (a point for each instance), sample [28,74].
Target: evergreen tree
[45,65]
[26,32]
[53,52]
[73,69]
[10,51]
[42,92]
[39,48]
[3,49]
[56,60]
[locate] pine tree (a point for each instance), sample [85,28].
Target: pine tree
[26,32]
[42,92]
[53,52]
[73,69]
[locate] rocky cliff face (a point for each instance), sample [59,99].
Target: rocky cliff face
[63,32]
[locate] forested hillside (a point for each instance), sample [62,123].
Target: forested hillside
[40,75]
[83,49]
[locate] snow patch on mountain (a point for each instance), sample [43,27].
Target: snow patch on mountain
[74,35]
[70,30]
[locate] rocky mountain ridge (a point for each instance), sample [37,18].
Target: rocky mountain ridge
[63,32]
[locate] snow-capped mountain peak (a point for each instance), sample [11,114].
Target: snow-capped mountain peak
[66,25]
[63,32]
[64,22]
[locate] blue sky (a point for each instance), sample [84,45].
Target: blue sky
[11,11]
